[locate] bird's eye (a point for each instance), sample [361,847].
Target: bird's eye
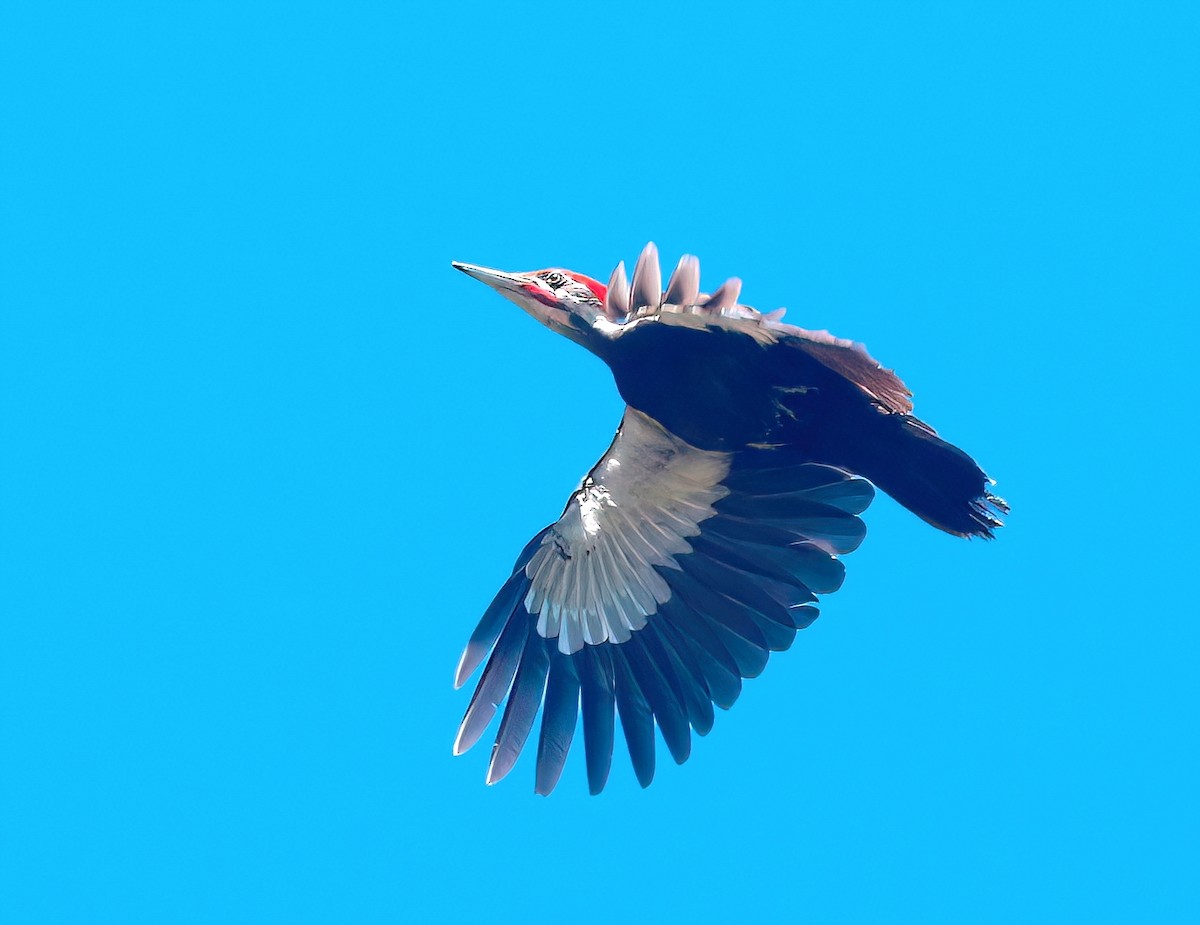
[555,279]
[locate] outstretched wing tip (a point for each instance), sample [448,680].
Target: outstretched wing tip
[466,667]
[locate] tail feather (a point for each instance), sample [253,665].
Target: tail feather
[934,479]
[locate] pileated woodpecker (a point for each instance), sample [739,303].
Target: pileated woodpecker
[699,541]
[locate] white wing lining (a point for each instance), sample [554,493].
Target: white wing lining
[593,579]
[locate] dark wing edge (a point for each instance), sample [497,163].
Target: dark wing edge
[748,585]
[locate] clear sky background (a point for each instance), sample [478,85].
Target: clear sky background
[264,457]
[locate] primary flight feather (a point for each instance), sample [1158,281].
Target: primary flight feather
[698,543]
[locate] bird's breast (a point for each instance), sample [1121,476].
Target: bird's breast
[709,388]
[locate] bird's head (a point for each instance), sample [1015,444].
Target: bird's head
[562,300]
[592,314]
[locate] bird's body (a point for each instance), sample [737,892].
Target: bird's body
[699,541]
[669,373]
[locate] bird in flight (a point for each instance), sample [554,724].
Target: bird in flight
[699,542]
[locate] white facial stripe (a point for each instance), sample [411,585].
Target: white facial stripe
[593,579]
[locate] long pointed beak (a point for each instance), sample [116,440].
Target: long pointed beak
[497,279]
[527,293]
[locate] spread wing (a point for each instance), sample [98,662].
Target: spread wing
[671,575]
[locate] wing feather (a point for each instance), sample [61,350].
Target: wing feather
[668,711]
[559,717]
[522,708]
[598,703]
[637,720]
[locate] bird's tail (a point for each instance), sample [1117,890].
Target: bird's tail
[934,479]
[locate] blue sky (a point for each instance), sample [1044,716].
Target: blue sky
[265,457]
